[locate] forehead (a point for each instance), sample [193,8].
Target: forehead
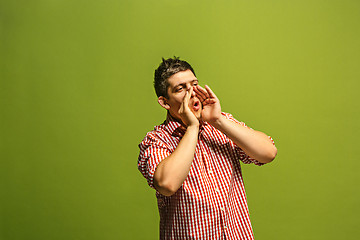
[181,78]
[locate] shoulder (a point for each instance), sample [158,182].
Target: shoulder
[158,136]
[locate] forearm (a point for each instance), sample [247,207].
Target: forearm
[173,170]
[254,143]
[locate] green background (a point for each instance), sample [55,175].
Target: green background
[76,98]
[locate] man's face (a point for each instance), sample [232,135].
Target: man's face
[179,83]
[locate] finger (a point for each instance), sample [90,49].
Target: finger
[211,93]
[202,92]
[190,93]
[199,94]
[182,108]
[208,101]
[187,97]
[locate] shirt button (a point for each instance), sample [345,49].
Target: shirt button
[222,209]
[225,227]
[217,190]
[210,171]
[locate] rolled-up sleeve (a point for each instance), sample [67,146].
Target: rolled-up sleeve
[152,152]
[238,151]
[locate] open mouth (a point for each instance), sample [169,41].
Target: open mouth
[196,105]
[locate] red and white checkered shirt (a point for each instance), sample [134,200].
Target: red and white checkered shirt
[211,203]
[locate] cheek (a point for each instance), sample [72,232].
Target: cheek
[178,99]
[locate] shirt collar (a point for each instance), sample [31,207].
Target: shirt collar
[176,128]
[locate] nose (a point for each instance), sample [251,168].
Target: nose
[193,92]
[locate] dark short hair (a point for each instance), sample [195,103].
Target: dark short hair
[165,70]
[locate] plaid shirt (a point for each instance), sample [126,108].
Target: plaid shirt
[211,203]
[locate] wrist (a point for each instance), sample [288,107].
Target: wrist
[218,122]
[193,127]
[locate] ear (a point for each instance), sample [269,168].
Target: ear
[163,102]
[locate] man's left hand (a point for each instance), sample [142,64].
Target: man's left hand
[211,111]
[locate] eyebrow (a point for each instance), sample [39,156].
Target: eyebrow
[195,80]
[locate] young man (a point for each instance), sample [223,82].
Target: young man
[192,160]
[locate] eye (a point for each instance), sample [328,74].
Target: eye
[179,89]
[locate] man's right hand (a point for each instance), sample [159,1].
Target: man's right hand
[187,116]
[174,169]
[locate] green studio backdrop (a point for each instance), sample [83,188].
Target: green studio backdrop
[77,98]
